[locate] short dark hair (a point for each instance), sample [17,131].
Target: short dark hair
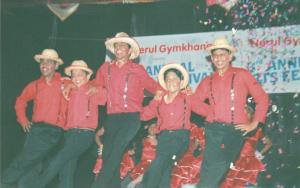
[176,71]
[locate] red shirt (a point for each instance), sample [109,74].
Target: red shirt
[113,78]
[172,116]
[82,111]
[47,101]
[244,84]
[127,164]
[148,155]
[197,133]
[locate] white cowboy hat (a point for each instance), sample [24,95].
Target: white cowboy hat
[179,67]
[79,65]
[48,54]
[221,43]
[123,37]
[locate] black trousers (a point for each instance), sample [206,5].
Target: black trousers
[171,145]
[77,141]
[119,131]
[222,146]
[41,139]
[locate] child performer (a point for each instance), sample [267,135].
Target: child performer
[173,110]
[148,155]
[187,169]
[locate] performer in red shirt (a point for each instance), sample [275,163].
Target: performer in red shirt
[186,170]
[45,129]
[125,83]
[148,155]
[82,120]
[173,111]
[227,90]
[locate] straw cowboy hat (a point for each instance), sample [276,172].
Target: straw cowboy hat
[221,43]
[79,65]
[123,37]
[49,54]
[179,67]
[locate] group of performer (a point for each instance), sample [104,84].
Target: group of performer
[175,151]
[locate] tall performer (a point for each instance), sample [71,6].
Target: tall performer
[227,124]
[125,82]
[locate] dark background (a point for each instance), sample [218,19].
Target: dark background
[28,28]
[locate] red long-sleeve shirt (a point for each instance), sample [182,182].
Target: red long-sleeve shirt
[174,115]
[113,78]
[47,101]
[82,110]
[217,91]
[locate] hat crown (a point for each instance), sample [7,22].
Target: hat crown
[123,37]
[79,63]
[221,41]
[50,53]
[121,34]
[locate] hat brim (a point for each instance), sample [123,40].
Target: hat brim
[179,67]
[68,70]
[225,46]
[133,44]
[38,58]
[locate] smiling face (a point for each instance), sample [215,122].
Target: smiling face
[122,51]
[221,59]
[48,67]
[173,81]
[79,77]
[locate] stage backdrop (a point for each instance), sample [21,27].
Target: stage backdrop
[271,54]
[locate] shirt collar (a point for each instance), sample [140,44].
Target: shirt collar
[226,73]
[128,63]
